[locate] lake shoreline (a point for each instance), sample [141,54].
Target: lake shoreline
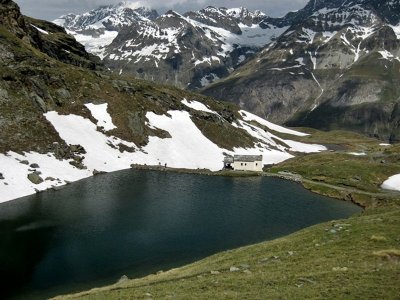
[225,212]
[148,281]
[351,195]
[296,178]
[361,198]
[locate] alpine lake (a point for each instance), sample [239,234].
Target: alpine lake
[137,222]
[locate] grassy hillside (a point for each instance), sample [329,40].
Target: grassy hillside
[354,258]
[356,168]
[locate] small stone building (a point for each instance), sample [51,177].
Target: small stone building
[244,163]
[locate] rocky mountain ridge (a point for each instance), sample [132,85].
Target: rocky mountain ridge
[189,51]
[336,67]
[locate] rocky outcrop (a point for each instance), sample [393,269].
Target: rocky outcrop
[45,36]
[55,42]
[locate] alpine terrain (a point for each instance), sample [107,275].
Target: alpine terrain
[188,51]
[331,65]
[75,103]
[63,119]
[336,67]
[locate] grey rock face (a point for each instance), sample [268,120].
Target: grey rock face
[136,123]
[335,67]
[57,44]
[188,51]
[212,16]
[3,95]
[39,101]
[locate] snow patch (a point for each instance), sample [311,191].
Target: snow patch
[386,55]
[251,117]
[197,106]
[16,174]
[95,45]
[357,153]
[102,153]
[99,112]
[396,30]
[187,147]
[392,183]
[39,29]
[207,60]
[304,148]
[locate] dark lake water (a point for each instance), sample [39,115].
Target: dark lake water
[138,222]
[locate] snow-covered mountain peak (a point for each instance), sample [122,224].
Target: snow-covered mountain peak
[208,43]
[110,17]
[171,14]
[243,12]
[213,9]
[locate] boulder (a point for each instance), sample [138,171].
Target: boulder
[63,93]
[123,278]
[95,172]
[39,101]
[3,94]
[77,149]
[35,178]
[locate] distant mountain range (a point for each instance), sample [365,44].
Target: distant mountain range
[189,51]
[331,65]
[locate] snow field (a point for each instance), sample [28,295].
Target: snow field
[186,148]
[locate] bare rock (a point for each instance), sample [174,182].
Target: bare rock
[95,172]
[35,178]
[123,278]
